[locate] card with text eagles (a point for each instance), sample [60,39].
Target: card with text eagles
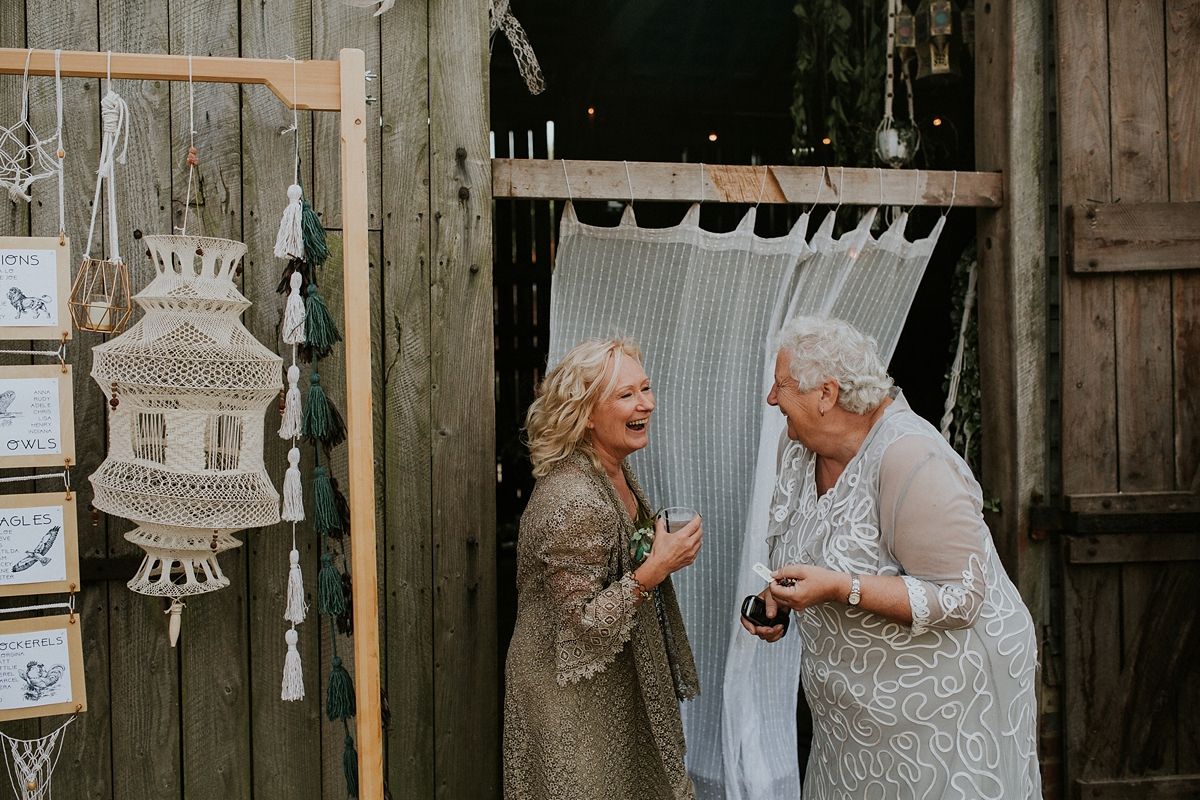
[39,544]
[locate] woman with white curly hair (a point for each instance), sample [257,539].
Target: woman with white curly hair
[599,658]
[919,656]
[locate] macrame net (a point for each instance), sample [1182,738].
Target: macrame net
[31,762]
[185,455]
[704,307]
[25,157]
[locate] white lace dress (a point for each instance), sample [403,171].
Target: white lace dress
[946,708]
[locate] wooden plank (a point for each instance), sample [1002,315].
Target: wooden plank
[316,89]
[462,405]
[144,669]
[285,736]
[1089,443]
[215,679]
[1173,787]
[647,180]
[1134,503]
[1132,237]
[1142,303]
[406,384]
[1119,548]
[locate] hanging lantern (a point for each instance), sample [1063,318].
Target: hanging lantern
[188,386]
[906,31]
[936,23]
[100,296]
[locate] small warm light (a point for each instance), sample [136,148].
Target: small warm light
[937,121]
[826,140]
[591,112]
[712,137]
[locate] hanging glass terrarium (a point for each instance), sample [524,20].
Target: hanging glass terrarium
[939,40]
[188,386]
[100,298]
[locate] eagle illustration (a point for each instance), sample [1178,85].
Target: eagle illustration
[38,553]
[39,681]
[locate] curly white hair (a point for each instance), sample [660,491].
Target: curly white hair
[824,348]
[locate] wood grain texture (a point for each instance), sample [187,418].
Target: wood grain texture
[406,446]
[608,180]
[1132,237]
[1142,303]
[462,410]
[1089,444]
[1115,548]
[1175,787]
[287,752]
[215,680]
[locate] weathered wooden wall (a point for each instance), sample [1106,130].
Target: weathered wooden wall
[1129,132]
[205,720]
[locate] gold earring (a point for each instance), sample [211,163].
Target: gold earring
[822,410]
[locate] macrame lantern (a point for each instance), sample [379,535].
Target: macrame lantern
[188,386]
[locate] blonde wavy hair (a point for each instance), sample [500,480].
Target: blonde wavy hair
[557,418]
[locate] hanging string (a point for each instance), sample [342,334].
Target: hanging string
[192,160]
[916,191]
[820,186]
[953,195]
[841,184]
[42,607]
[567,179]
[629,181]
[762,188]
[62,208]
[880,171]
[114,115]
[701,181]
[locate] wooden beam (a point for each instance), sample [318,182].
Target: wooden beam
[1132,237]
[668,181]
[1134,503]
[307,85]
[1167,787]
[359,425]
[1121,548]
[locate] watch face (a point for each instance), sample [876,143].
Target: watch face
[854,598]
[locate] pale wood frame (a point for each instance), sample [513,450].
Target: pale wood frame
[315,86]
[66,415]
[69,622]
[70,534]
[62,252]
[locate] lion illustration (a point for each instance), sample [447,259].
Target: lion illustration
[32,305]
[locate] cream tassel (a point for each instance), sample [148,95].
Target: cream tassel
[290,241]
[293,493]
[293,313]
[296,609]
[293,675]
[289,428]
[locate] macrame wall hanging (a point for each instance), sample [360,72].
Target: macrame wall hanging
[25,157]
[188,387]
[31,762]
[100,295]
[310,329]
[897,142]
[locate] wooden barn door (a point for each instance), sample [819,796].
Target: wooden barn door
[1129,125]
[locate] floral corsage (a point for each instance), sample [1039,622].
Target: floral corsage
[643,536]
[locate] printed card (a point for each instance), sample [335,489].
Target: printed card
[39,544]
[41,667]
[35,284]
[37,427]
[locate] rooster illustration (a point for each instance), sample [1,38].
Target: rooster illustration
[39,681]
[38,553]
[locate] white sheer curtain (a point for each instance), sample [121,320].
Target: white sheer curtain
[704,307]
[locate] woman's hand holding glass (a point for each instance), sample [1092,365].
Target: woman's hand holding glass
[670,553]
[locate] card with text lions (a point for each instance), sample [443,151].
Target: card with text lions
[35,285]
[37,426]
[39,544]
[41,667]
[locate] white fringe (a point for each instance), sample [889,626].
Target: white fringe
[296,609]
[289,427]
[293,493]
[290,241]
[293,313]
[293,675]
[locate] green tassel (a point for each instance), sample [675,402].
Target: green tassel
[331,601]
[343,511]
[350,767]
[321,421]
[339,699]
[313,233]
[320,331]
[325,516]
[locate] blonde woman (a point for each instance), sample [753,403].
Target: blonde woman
[599,658]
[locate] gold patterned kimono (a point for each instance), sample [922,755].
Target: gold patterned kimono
[591,706]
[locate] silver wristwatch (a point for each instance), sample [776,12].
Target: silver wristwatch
[855,592]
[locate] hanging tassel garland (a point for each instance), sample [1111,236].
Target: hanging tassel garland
[350,767]
[321,421]
[339,699]
[320,331]
[293,675]
[289,426]
[293,492]
[296,609]
[315,248]
[324,510]
[289,243]
[293,313]
[330,599]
